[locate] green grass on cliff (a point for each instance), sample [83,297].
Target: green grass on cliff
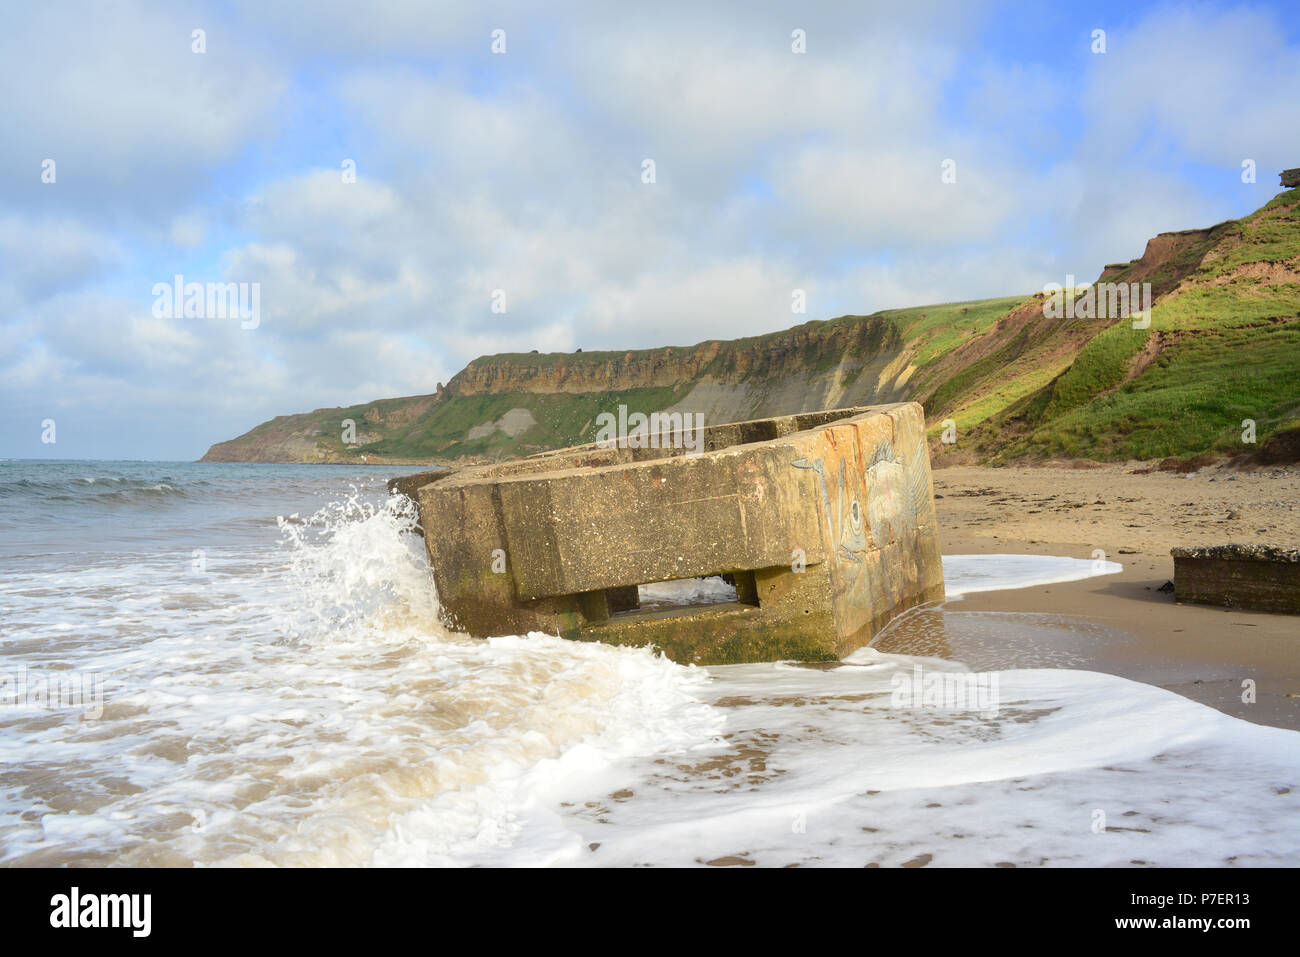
[1214,369]
[562,419]
[1224,345]
[936,330]
[1226,348]
[1194,400]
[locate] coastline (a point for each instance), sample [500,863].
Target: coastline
[1199,651]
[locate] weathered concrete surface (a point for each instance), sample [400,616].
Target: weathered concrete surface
[825,520]
[1256,577]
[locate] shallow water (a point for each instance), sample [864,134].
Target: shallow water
[280,692]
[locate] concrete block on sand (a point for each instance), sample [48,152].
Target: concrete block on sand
[1255,577]
[824,522]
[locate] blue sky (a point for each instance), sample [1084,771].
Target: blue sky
[521,172]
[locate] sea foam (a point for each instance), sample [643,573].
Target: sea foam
[297,702]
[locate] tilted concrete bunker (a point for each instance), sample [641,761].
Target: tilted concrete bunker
[824,521]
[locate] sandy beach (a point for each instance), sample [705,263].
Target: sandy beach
[1199,651]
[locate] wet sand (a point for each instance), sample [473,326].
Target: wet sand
[1126,626]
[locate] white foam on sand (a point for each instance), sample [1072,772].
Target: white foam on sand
[964,574]
[824,767]
[835,766]
[299,706]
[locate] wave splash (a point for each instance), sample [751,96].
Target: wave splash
[307,708]
[300,704]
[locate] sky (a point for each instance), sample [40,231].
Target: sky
[405,199]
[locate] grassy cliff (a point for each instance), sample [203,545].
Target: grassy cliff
[1223,346]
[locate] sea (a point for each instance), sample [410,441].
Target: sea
[244,665]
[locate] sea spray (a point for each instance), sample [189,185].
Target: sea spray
[356,563]
[377,736]
[298,702]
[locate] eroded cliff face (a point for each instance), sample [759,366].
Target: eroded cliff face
[1011,378]
[809,348]
[1168,258]
[318,437]
[519,403]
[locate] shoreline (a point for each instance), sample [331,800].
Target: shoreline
[1202,652]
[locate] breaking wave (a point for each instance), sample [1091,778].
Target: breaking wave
[310,710]
[282,692]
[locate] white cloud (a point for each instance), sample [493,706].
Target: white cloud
[775,171]
[46,255]
[1210,85]
[188,231]
[114,94]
